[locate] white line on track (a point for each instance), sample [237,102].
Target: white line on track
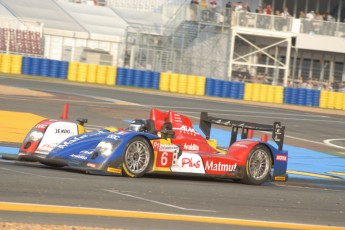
[315,142]
[328,142]
[157,202]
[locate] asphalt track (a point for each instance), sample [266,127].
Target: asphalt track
[314,195]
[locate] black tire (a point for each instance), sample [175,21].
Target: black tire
[137,157]
[258,166]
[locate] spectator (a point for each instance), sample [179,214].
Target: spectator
[194,9]
[228,8]
[246,7]
[318,23]
[308,22]
[239,7]
[213,8]
[285,12]
[259,10]
[268,9]
[302,14]
[204,10]
[278,21]
[330,28]
[342,88]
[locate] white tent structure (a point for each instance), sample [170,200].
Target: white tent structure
[68,28]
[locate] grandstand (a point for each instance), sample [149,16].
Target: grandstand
[161,35]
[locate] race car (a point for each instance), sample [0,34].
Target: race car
[167,143]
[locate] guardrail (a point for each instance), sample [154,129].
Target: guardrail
[325,28]
[263,21]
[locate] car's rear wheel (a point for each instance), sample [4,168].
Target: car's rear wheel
[137,157]
[258,167]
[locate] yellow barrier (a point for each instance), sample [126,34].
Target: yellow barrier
[6,63]
[331,100]
[343,101]
[0,60]
[164,81]
[279,94]
[200,85]
[323,99]
[72,71]
[82,72]
[270,94]
[91,73]
[191,85]
[173,87]
[101,74]
[263,93]
[256,92]
[111,75]
[338,100]
[182,83]
[248,91]
[16,64]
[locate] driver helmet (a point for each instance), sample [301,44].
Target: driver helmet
[138,125]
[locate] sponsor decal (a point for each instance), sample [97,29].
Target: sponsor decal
[41,126]
[62,131]
[122,132]
[86,152]
[187,130]
[280,178]
[113,170]
[220,167]
[114,137]
[280,157]
[79,157]
[156,145]
[177,118]
[189,163]
[240,145]
[91,165]
[73,140]
[167,156]
[167,148]
[191,147]
[45,148]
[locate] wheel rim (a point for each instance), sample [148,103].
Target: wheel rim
[259,164]
[137,157]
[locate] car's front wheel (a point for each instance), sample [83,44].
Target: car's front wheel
[137,157]
[258,167]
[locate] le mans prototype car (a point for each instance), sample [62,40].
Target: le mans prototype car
[166,143]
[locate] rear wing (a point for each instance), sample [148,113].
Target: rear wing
[277,129]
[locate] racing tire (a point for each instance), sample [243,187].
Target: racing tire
[258,166]
[137,157]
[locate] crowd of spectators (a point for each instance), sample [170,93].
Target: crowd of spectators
[336,85]
[211,10]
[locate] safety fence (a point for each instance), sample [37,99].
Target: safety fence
[169,82]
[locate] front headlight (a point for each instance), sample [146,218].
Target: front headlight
[36,135]
[105,148]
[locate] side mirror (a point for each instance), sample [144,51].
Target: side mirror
[82,121]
